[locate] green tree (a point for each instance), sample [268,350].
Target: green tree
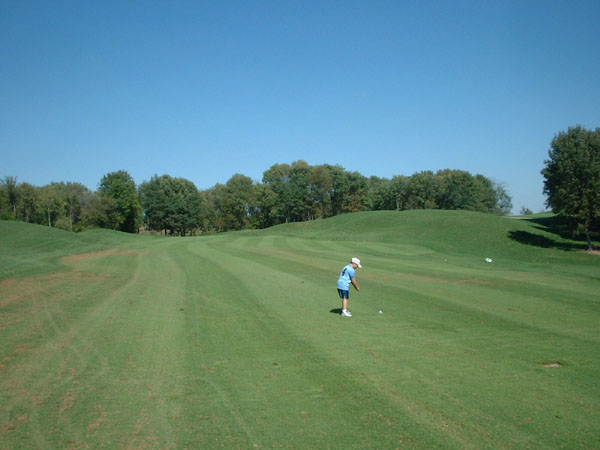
[6,210]
[76,196]
[212,214]
[339,188]
[456,190]
[572,177]
[503,202]
[120,187]
[28,203]
[319,186]
[53,202]
[185,207]
[399,192]
[422,190]
[9,197]
[277,178]
[205,214]
[154,202]
[238,203]
[266,199]
[300,201]
[380,194]
[101,212]
[299,192]
[171,204]
[355,197]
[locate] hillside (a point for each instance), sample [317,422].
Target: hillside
[27,249]
[445,232]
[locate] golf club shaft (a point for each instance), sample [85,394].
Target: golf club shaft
[373,304]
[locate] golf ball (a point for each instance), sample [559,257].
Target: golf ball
[380,312]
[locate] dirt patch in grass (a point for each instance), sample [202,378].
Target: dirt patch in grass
[9,291]
[428,279]
[552,364]
[14,290]
[73,259]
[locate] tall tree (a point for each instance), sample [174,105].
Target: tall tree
[172,204]
[185,206]
[422,190]
[120,187]
[154,201]
[456,190]
[266,200]
[503,202]
[300,192]
[6,210]
[572,177]
[380,194]
[101,212]
[238,203]
[339,188]
[53,202]
[356,193]
[213,212]
[320,186]
[277,178]
[400,192]
[28,202]
[76,197]
[8,187]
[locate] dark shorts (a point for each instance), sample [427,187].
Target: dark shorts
[344,294]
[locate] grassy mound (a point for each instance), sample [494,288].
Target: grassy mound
[27,249]
[447,229]
[448,234]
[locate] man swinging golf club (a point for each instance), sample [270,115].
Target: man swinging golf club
[343,284]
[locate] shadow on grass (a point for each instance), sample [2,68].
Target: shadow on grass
[559,227]
[336,311]
[537,240]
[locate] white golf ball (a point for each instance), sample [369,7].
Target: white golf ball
[380,312]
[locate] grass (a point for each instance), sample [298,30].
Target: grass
[234,341]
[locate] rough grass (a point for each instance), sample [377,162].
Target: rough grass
[118,341]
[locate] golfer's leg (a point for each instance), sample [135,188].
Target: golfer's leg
[344,304]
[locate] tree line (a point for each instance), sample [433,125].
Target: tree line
[287,193]
[298,192]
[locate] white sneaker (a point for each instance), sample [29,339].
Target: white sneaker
[346,313]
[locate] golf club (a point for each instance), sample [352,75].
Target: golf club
[373,304]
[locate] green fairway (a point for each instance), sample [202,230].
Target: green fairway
[110,340]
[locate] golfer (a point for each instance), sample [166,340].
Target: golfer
[343,284]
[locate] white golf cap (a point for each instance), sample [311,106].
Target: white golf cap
[357,262]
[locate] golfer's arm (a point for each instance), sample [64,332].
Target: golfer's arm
[355,284]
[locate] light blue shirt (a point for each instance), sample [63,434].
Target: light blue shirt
[345,278]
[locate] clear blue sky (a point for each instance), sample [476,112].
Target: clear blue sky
[207,89]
